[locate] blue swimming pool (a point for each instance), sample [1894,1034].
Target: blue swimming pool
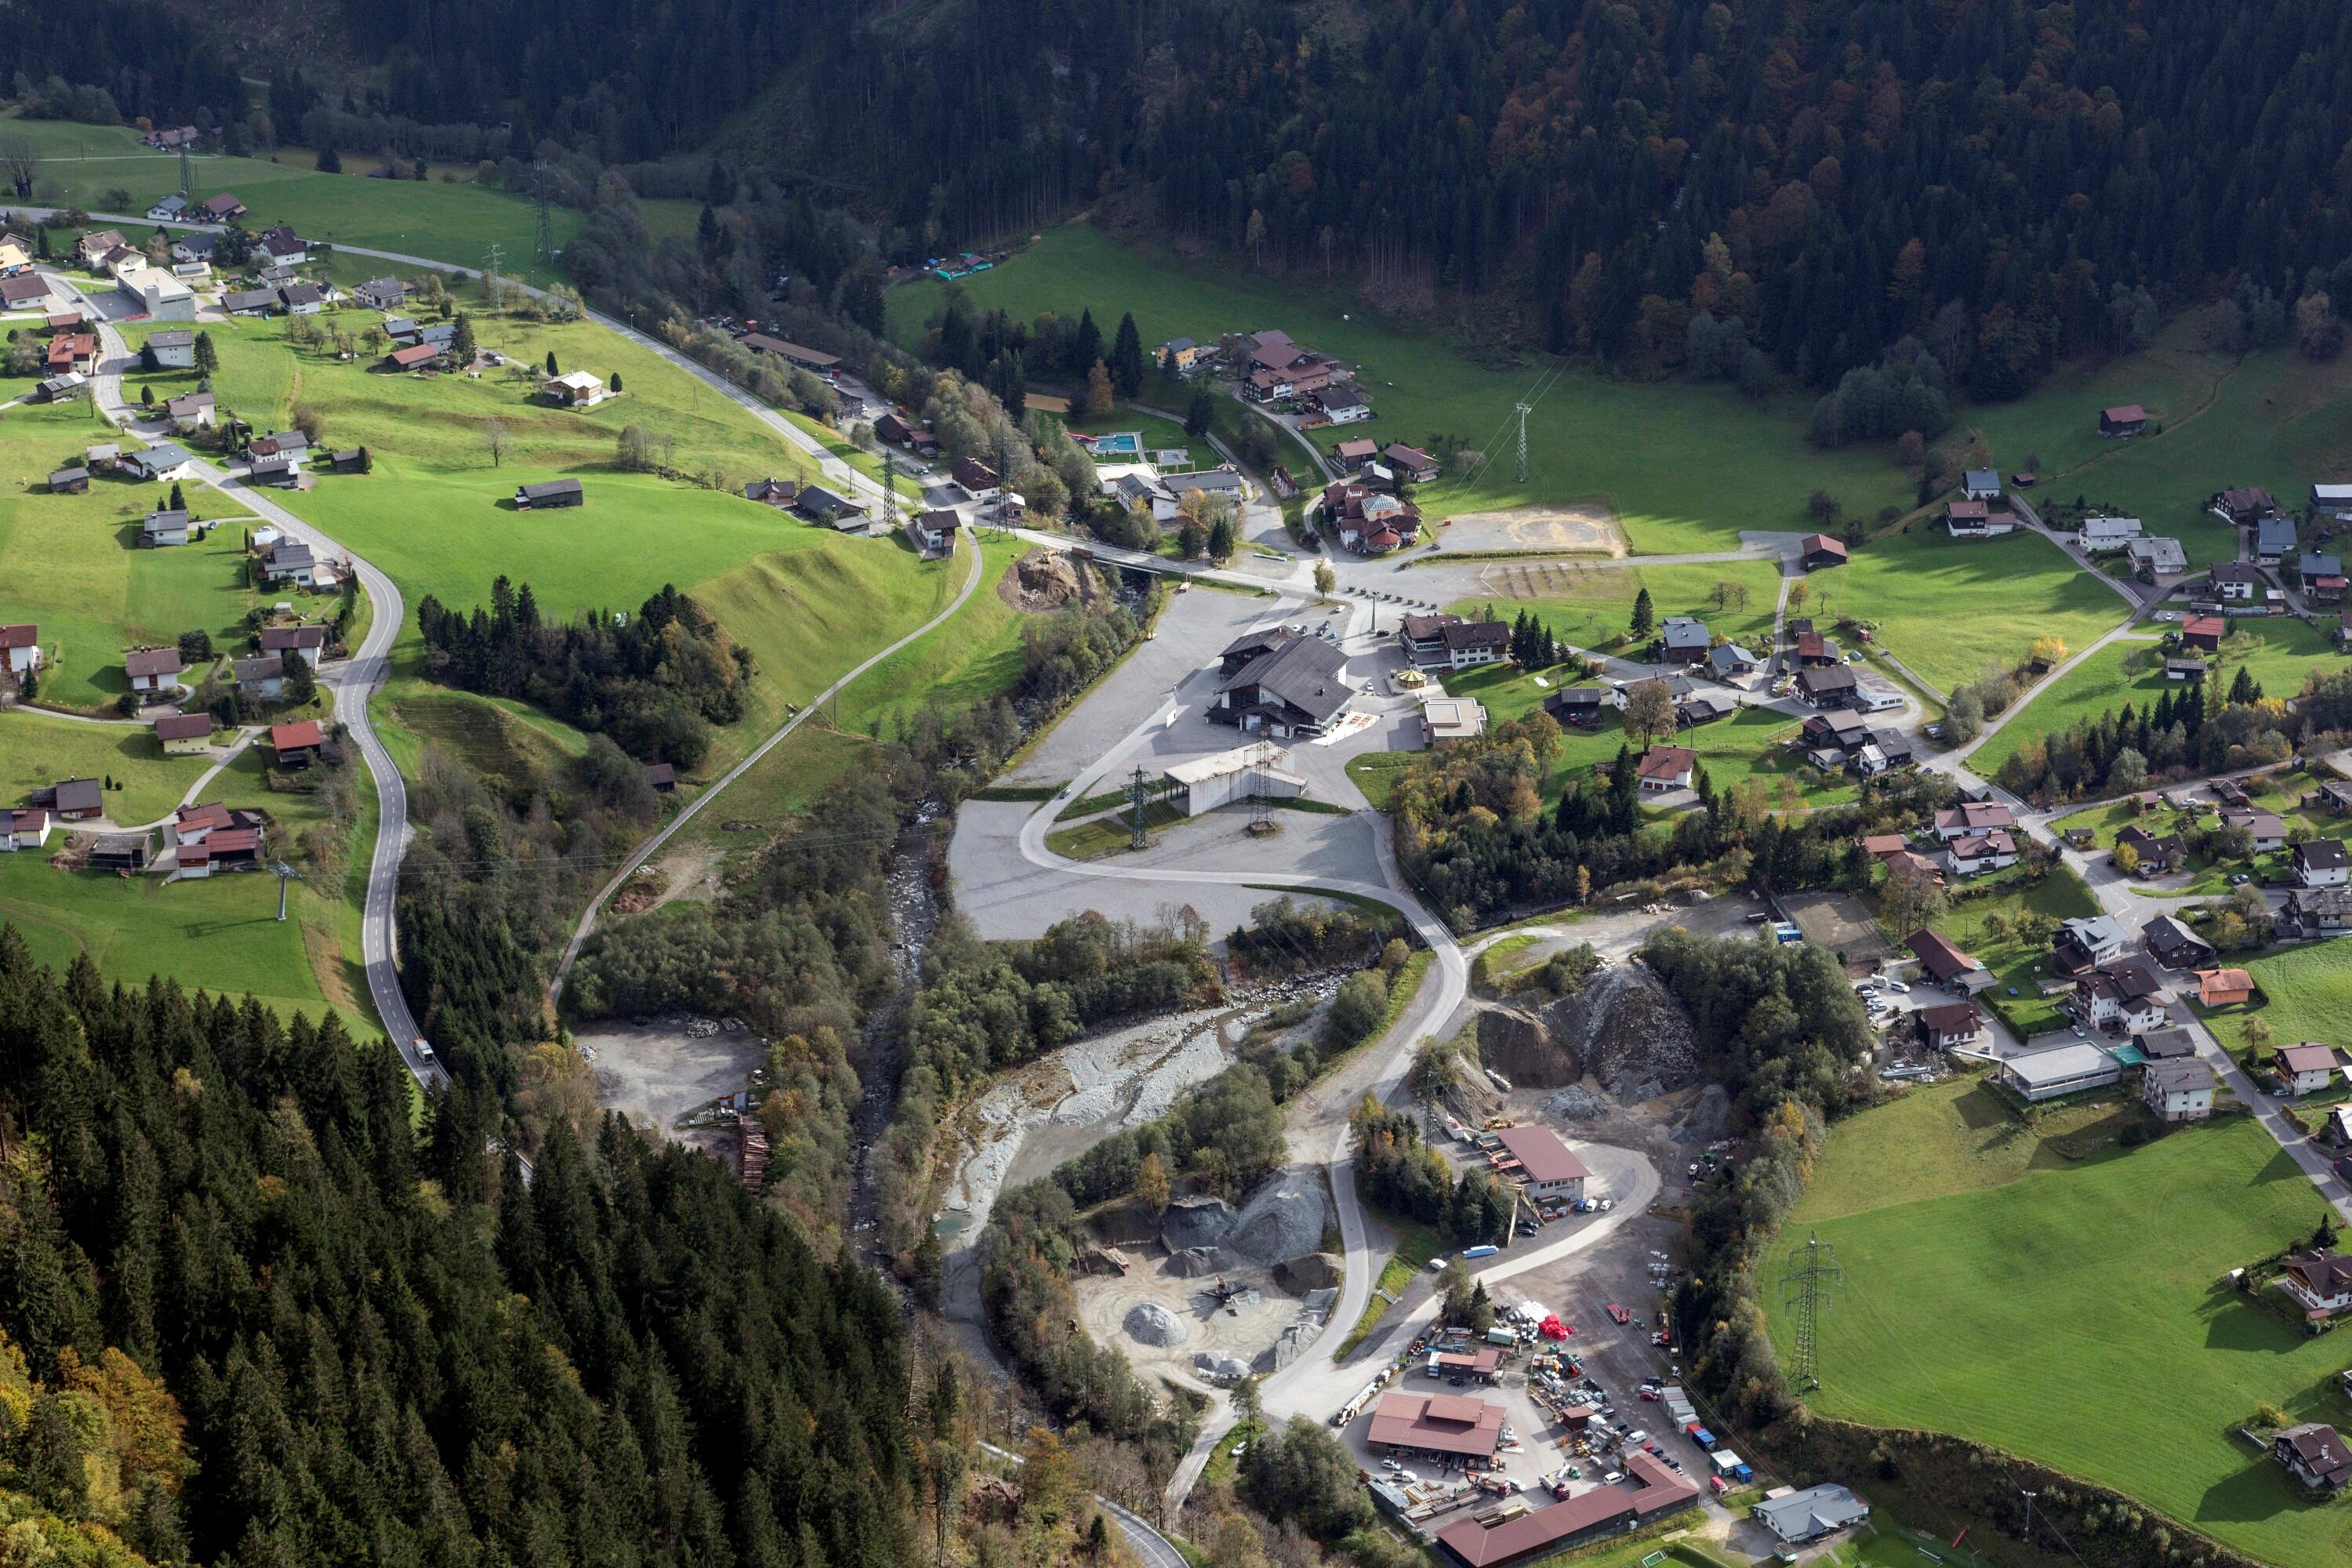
[1120,444]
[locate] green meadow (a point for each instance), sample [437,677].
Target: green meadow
[1988,1263]
[1591,606]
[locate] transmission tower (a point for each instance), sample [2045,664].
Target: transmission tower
[889,490]
[1137,793]
[1520,473]
[543,242]
[187,178]
[497,255]
[1806,1285]
[285,874]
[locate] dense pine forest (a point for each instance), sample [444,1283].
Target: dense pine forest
[251,1318]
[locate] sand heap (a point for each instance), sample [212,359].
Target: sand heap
[1150,1323]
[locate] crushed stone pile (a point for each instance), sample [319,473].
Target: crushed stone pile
[1283,1219]
[1626,1031]
[1284,1350]
[1576,1103]
[1195,1261]
[1523,1051]
[1150,1323]
[1196,1222]
[1313,1271]
[1709,1117]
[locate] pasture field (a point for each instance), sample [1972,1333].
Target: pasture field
[2307,994]
[39,749]
[1686,467]
[2097,1271]
[1971,923]
[1950,608]
[1591,606]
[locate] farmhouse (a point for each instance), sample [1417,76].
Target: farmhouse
[289,561]
[1253,772]
[2322,863]
[1501,1539]
[1663,769]
[1297,690]
[182,733]
[978,480]
[2084,942]
[821,505]
[932,534]
[284,246]
[25,829]
[1449,642]
[1974,818]
[2155,556]
[2242,504]
[2203,633]
[301,299]
[2320,1281]
[2322,576]
[1812,647]
[1951,1025]
[74,800]
[2325,911]
[25,292]
[1684,639]
[1439,1426]
[415,356]
[1981,484]
[262,676]
[2274,540]
[249,302]
[2174,945]
[381,293]
[2305,1069]
[1410,461]
[2224,987]
[550,493]
[576,389]
[158,463]
[2314,1454]
[1977,519]
[2124,419]
[2179,1089]
[191,411]
[153,671]
[2062,1070]
[1539,1160]
[296,745]
[1830,688]
[2237,582]
[20,648]
[2263,826]
[70,350]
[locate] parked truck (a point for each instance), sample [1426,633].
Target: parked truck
[1483,1251]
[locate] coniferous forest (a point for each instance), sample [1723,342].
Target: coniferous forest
[251,1318]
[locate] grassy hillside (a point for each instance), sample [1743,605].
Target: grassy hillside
[1686,467]
[2041,1288]
[1591,606]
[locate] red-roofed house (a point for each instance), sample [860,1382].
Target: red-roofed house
[1664,768]
[2204,633]
[1819,550]
[1454,1425]
[1651,1492]
[296,745]
[20,648]
[1549,1167]
[1946,964]
[2124,419]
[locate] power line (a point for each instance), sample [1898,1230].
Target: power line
[1520,474]
[1806,1286]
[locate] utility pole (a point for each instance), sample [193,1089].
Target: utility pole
[497,255]
[285,874]
[1806,1284]
[2029,1497]
[1137,792]
[1520,473]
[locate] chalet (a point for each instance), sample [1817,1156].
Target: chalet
[1981,484]
[1819,550]
[1684,639]
[289,561]
[1977,519]
[249,302]
[2275,539]
[1465,645]
[284,246]
[2123,997]
[20,649]
[153,671]
[381,293]
[74,800]
[1951,1025]
[1830,688]
[2312,1452]
[191,411]
[182,734]
[71,481]
[301,299]
[89,248]
[550,493]
[171,138]
[2332,500]
[280,444]
[2317,912]
[158,463]
[1539,1161]
[25,291]
[308,641]
[122,852]
[1974,854]
[1812,647]
[2305,1069]
[2265,827]
[1297,689]
[2084,942]
[1357,453]
[197,248]
[2098,535]
[2322,863]
[576,389]
[932,534]
[262,676]
[821,505]
[163,527]
[2178,1090]
[1410,461]
[223,849]
[2125,419]
[778,493]
[298,744]
[977,479]
[2237,582]
[2158,853]
[2174,945]
[1729,660]
[814,360]
[2323,577]
[1975,818]
[2223,988]
[1576,706]
[1664,769]
[2203,633]
[25,829]
[2241,504]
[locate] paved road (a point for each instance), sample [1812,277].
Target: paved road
[638,856]
[352,685]
[1149,1543]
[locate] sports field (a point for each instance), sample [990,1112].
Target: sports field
[1686,467]
[2044,1290]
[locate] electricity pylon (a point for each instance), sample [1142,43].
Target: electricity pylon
[1806,1285]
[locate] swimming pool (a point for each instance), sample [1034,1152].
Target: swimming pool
[1120,444]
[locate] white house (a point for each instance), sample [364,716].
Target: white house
[309,641]
[1549,1168]
[2237,582]
[153,671]
[2320,1281]
[159,462]
[2179,1089]
[576,389]
[1974,819]
[2124,997]
[171,209]
[1976,854]
[174,349]
[20,648]
[27,829]
[2305,1069]
[2322,863]
[2096,535]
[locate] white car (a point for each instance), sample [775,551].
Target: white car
[1407,1477]
[1894,985]
[1393,1464]
[423,1049]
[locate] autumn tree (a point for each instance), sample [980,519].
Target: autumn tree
[1649,710]
[1097,401]
[1151,1187]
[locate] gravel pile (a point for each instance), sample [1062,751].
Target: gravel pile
[1576,1103]
[1625,1030]
[1284,1219]
[1197,1222]
[1313,1271]
[1152,1324]
[1195,1261]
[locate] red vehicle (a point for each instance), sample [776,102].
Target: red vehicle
[1650,1393]
[1619,1315]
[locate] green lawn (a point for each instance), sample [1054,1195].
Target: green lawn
[1989,1266]
[36,748]
[454,222]
[1950,608]
[1686,467]
[2016,965]
[2307,994]
[1592,607]
[1157,433]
